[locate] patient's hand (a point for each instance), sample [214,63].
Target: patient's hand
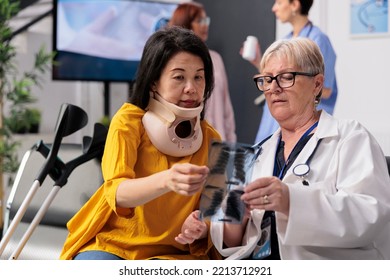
[192,229]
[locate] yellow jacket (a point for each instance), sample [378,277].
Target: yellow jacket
[146,231]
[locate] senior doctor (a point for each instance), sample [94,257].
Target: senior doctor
[320,188]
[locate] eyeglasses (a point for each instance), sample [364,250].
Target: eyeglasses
[203,21]
[284,80]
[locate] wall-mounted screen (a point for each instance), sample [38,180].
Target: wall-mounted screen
[102,40]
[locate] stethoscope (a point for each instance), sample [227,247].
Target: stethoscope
[301,170]
[308,24]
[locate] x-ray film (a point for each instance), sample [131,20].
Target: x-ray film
[230,167]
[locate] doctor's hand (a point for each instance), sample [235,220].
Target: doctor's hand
[192,229]
[267,193]
[186,178]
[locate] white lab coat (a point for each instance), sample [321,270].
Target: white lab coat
[345,211]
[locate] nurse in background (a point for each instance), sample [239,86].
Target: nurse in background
[296,12]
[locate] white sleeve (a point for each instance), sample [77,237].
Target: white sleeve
[251,237]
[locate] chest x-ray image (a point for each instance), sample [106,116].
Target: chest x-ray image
[230,169]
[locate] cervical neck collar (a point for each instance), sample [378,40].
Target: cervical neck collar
[173,130]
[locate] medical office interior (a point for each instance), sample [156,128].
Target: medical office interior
[361,69]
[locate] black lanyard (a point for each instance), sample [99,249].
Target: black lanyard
[280,174]
[270,215]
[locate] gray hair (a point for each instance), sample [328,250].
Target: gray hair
[301,52]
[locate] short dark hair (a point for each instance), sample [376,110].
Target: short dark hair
[305,6]
[158,50]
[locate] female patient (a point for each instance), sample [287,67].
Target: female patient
[154,163]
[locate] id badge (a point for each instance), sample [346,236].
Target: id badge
[263,247]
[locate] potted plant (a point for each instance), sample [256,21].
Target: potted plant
[23,120]
[17,122]
[16,90]
[34,116]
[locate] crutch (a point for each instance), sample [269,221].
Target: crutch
[54,174]
[92,148]
[71,119]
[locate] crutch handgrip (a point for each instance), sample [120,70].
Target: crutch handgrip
[58,166]
[71,119]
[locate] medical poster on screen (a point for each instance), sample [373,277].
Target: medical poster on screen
[369,18]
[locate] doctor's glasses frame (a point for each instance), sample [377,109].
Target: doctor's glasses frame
[284,80]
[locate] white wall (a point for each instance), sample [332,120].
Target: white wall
[361,69]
